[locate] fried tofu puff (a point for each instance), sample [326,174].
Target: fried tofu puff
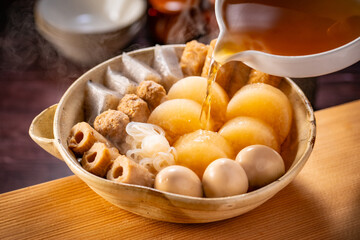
[193,58]
[239,77]
[206,68]
[136,108]
[231,76]
[225,72]
[260,77]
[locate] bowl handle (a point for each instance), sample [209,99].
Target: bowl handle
[41,131]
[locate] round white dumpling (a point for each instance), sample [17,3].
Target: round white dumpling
[262,165]
[224,177]
[180,180]
[153,144]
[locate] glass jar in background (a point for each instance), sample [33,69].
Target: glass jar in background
[179,21]
[172,6]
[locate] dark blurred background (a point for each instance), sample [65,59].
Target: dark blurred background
[33,76]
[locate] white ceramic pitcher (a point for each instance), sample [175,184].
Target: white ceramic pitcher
[293,66]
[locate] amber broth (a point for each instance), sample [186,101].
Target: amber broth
[288,28]
[206,106]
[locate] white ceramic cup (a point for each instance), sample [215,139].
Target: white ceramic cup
[89,31]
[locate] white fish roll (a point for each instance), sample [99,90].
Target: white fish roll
[167,64]
[139,71]
[99,99]
[119,83]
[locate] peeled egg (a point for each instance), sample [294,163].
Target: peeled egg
[262,165]
[224,177]
[180,180]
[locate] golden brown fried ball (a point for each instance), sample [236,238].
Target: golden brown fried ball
[152,92]
[112,124]
[136,108]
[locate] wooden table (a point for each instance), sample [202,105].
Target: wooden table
[323,202]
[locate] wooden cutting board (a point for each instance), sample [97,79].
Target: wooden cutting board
[323,202]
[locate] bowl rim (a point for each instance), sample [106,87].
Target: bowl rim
[280,183]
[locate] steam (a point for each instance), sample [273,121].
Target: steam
[23,47]
[18,28]
[193,21]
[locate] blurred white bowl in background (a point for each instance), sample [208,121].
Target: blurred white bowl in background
[89,31]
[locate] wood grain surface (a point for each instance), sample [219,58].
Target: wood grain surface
[321,203]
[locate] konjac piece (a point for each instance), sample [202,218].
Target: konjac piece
[98,99]
[138,70]
[166,63]
[119,83]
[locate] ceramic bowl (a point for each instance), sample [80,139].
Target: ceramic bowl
[52,127]
[89,31]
